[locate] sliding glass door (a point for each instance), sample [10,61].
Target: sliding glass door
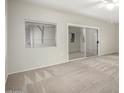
[91,42]
[83,42]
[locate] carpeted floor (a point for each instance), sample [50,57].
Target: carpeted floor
[89,75]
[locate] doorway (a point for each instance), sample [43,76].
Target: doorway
[82,42]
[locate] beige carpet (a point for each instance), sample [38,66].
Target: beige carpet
[90,75]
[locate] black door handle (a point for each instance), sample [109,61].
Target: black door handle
[97,42]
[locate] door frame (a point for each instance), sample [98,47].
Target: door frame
[82,26]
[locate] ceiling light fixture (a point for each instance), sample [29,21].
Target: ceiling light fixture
[115,1]
[110,4]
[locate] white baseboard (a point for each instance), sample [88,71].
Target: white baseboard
[110,53]
[34,68]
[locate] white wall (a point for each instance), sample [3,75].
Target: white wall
[21,58]
[6,41]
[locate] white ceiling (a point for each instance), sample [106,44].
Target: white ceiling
[94,8]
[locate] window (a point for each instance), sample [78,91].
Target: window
[39,34]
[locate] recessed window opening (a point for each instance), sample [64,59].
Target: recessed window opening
[39,35]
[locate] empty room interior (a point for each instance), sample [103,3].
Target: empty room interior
[62,46]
